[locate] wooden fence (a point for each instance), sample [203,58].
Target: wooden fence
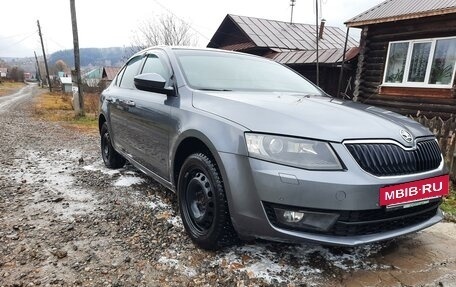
[445,131]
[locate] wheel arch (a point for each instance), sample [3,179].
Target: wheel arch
[190,142]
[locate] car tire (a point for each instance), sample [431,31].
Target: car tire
[203,204]
[111,158]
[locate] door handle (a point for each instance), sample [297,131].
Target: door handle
[130,103]
[111,100]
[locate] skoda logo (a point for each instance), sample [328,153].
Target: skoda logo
[406,136]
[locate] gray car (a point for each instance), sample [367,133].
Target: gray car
[254,150]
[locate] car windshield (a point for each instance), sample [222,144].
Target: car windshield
[222,71]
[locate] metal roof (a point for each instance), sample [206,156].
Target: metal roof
[394,10]
[109,73]
[93,74]
[65,80]
[307,57]
[283,35]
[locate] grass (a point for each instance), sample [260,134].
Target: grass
[7,88]
[449,205]
[58,107]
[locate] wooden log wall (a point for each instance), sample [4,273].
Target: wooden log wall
[372,60]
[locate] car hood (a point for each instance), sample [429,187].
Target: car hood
[317,117]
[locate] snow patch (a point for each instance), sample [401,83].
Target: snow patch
[126,181]
[188,271]
[97,166]
[157,203]
[278,263]
[176,221]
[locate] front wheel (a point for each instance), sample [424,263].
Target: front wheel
[203,205]
[111,158]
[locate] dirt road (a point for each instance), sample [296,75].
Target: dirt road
[66,220]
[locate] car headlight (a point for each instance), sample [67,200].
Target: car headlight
[302,153]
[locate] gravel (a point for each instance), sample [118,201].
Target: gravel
[72,222]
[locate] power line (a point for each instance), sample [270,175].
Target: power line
[20,41]
[172,13]
[57,43]
[12,36]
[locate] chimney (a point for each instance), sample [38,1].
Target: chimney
[322,28]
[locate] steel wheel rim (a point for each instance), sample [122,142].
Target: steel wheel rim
[199,202]
[105,146]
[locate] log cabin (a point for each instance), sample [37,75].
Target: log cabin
[407,57]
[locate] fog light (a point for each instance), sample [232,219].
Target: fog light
[305,220]
[292,216]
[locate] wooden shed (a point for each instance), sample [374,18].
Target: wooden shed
[291,44]
[107,75]
[407,57]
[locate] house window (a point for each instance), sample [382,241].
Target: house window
[396,62]
[443,62]
[421,63]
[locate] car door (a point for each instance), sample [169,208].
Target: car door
[148,119]
[118,108]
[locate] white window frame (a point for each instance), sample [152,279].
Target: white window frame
[425,84]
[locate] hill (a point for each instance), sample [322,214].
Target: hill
[114,56]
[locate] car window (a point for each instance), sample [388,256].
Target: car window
[130,72]
[228,71]
[154,64]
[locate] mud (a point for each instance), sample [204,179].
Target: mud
[66,220]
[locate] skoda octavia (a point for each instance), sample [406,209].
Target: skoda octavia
[254,150]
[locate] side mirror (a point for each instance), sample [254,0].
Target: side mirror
[152,82]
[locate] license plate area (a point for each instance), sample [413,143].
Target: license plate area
[414,193]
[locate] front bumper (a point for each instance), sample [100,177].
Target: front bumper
[253,184]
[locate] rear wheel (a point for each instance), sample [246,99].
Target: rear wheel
[111,158]
[203,204]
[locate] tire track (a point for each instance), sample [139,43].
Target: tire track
[11,101]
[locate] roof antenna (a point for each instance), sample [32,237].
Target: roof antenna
[292,4]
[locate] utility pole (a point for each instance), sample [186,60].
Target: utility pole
[317,42]
[292,4]
[38,69]
[44,55]
[79,100]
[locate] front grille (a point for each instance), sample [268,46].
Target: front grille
[363,222]
[386,159]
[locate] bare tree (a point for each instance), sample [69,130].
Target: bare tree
[60,66]
[164,30]
[16,74]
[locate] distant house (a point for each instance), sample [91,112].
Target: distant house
[407,56]
[66,84]
[92,77]
[108,74]
[291,44]
[3,73]
[27,76]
